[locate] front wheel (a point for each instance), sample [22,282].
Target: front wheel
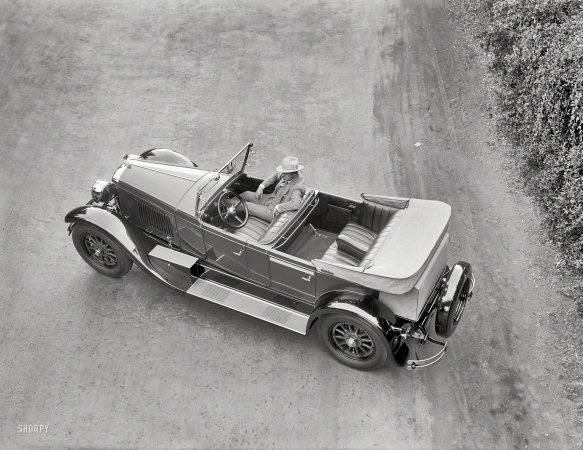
[352,341]
[101,252]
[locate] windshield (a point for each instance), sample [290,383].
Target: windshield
[237,163]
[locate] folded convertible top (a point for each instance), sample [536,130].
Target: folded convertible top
[401,260]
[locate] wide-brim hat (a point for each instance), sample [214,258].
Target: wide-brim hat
[289,164]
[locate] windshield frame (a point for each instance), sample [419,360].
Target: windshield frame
[248,148]
[215,175]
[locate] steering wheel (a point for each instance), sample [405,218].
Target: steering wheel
[229,209]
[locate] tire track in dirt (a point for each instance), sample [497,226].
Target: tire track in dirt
[507,397]
[402,88]
[486,390]
[391,103]
[442,435]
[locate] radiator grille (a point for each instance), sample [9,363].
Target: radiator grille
[155,219]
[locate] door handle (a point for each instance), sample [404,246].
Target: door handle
[307,279]
[238,254]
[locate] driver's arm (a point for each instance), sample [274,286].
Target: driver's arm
[266,183]
[272,179]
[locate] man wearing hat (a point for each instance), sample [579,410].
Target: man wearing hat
[287,195]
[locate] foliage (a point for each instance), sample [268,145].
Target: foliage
[535,49]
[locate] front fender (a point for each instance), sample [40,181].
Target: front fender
[125,233]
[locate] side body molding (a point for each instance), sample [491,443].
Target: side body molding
[126,234]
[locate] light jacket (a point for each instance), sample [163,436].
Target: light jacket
[288,196]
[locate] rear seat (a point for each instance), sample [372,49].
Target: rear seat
[355,240]
[359,242]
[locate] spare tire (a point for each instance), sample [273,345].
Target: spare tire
[454,295]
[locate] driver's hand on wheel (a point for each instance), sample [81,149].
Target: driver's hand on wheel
[259,192]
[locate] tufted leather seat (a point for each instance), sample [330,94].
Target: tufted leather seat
[253,229]
[355,240]
[358,243]
[264,232]
[380,240]
[275,227]
[336,256]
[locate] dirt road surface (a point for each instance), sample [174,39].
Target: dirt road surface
[347,86]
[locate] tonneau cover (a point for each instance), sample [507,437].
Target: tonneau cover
[406,252]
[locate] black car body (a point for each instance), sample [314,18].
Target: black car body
[370,275]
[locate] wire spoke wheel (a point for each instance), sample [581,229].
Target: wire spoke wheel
[352,341]
[100,251]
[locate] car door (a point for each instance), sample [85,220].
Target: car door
[292,276]
[225,249]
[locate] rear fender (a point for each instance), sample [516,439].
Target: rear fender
[126,234]
[362,307]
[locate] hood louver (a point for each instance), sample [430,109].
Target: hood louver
[155,219]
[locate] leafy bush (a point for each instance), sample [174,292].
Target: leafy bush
[535,50]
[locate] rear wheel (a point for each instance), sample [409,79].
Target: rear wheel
[352,341]
[101,252]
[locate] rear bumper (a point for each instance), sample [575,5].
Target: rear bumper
[425,328]
[419,363]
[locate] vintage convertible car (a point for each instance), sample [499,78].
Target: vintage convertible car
[371,276]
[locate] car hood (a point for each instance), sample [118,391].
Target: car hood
[160,182]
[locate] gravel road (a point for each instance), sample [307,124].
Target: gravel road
[347,86]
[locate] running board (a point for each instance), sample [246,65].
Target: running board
[250,305]
[172,256]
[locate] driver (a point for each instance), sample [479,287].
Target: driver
[287,195]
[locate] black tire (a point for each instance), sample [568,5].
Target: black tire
[352,341]
[101,252]
[453,302]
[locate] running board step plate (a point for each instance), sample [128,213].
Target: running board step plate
[172,256]
[251,305]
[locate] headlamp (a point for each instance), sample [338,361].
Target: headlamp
[102,191]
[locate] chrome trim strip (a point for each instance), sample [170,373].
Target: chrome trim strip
[235,239]
[250,305]
[146,166]
[277,260]
[117,174]
[473,280]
